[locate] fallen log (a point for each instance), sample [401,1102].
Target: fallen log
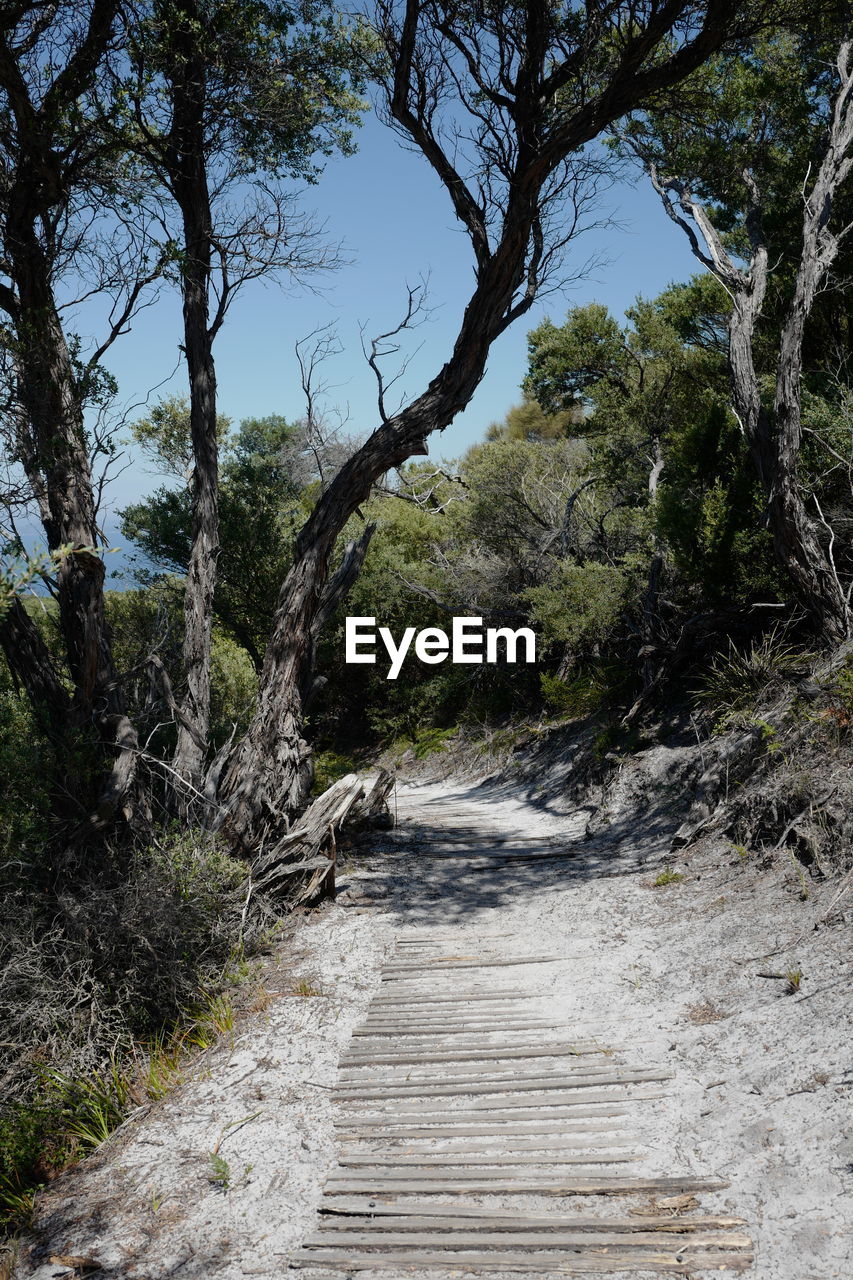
[300,865]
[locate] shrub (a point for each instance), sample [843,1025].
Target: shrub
[95,968]
[737,680]
[578,697]
[24,770]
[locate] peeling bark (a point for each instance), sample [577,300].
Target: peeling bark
[185,159]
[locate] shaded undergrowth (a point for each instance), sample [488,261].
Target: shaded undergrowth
[111,977]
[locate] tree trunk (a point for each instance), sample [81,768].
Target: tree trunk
[505,214]
[186,162]
[51,403]
[50,400]
[268,777]
[32,666]
[774,442]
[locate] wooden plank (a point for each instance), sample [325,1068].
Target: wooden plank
[483,1160]
[477,1035]
[492,1020]
[533,1044]
[391,1129]
[422,987]
[515,1145]
[537,1264]
[527,1105]
[558,1238]
[438,1031]
[445,1008]
[395,1002]
[472,964]
[576,1049]
[582,1107]
[465,1067]
[464,1013]
[340,1212]
[508,1085]
[476,1184]
[471,1032]
[437,1072]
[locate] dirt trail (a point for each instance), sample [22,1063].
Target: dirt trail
[759,1096]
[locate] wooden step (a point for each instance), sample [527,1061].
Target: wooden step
[571,1049]
[378,1131]
[536,1264]
[483,1160]
[386,1237]
[478,1185]
[411,1215]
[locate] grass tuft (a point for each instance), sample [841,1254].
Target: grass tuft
[667,876]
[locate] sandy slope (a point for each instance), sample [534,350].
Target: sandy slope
[762,1091]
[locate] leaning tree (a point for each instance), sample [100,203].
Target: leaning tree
[504,102]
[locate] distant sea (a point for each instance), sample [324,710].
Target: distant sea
[122,561]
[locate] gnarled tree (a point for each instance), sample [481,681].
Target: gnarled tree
[502,101]
[761,195]
[59,173]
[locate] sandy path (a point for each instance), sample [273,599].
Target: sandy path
[761,1094]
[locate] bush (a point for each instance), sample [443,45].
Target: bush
[24,770]
[581,604]
[574,698]
[104,959]
[737,680]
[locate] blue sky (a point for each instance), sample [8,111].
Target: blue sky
[387,207]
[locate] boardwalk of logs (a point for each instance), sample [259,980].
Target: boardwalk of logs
[467,1122]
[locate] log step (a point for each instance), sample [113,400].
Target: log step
[537,1264]
[520,1145]
[390,1129]
[576,1048]
[527,1104]
[477,1185]
[503,1084]
[599,1240]
[392,970]
[482,1161]
[406,1215]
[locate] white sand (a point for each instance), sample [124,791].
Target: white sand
[762,1089]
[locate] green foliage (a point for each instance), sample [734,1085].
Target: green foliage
[580,604]
[263,473]
[794,979]
[91,1106]
[164,436]
[24,774]
[710,511]
[142,944]
[220,1171]
[428,741]
[151,621]
[666,877]
[282,83]
[570,362]
[32,1144]
[529,421]
[580,696]
[738,679]
[330,767]
[843,687]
